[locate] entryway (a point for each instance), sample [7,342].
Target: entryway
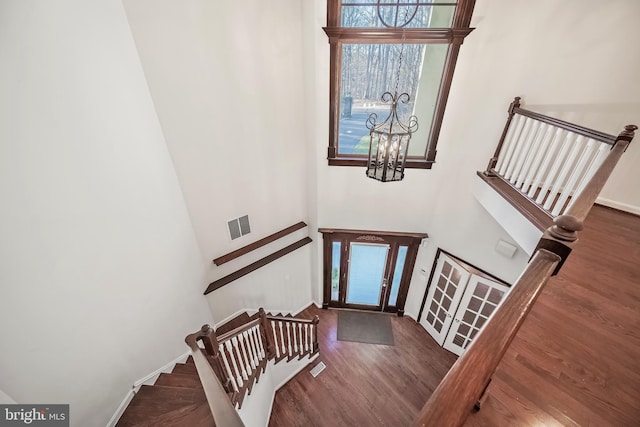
[368,270]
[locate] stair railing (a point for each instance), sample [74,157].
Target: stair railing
[294,337]
[547,160]
[234,361]
[466,382]
[223,412]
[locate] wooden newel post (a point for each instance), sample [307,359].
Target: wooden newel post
[210,340]
[512,111]
[315,322]
[269,340]
[208,337]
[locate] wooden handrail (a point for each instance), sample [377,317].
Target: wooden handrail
[455,397]
[571,127]
[239,329]
[289,319]
[258,243]
[223,412]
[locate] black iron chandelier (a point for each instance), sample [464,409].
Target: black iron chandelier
[389,139]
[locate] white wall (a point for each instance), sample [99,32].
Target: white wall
[5,398]
[226,81]
[101,276]
[569,57]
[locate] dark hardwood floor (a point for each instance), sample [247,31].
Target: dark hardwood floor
[576,360]
[363,384]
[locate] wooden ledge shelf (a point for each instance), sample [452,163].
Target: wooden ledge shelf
[256,265]
[258,244]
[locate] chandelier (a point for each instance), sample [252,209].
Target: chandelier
[389,139]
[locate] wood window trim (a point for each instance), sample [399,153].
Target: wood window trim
[453,36]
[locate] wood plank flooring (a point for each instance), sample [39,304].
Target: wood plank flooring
[576,360]
[363,384]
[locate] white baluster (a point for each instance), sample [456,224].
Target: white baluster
[532,152]
[519,145]
[295,340]
[601,155]
[242,361]
[509,142]
[578,172]
[568,166]
[226,366]
[275,339]
[311,337]
[284,349]
[539,179]
[550,179]
[546,133]
[233,360]
[512,155]
[247,344]
[306,336]
[252,340]
[289,338]
[301,338]
[259,341]
[529,134]
[247,357]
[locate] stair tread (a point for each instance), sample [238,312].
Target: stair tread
[185,368]
[153,402]
[230,325]
[194,415]
[179,380]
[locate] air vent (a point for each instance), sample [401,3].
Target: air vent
[317,369]
[239,227]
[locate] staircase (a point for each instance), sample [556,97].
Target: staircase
[215,381]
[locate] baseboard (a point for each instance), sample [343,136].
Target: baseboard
[147,380]
[152,377]
[618,205]
[285,381]
[411,316]
[231,316]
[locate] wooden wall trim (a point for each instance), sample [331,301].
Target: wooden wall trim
[258,244]
[256,265]
[373,232]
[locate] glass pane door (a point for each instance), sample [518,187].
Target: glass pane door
[367,263]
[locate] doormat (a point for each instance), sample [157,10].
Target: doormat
[370,328]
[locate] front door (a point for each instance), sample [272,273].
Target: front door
[367,275]
[368,271]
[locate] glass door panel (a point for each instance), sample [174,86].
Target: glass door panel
[397,275]
[480,299]
[446,290]
[335,270]
[367,263]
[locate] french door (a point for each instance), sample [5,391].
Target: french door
[367,271]
[459,300]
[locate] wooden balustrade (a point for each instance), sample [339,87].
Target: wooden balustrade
[294,337]
[222,410]
[547,160]
[235,360]
[463,386]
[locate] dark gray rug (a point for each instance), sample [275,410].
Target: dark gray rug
[360,326]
